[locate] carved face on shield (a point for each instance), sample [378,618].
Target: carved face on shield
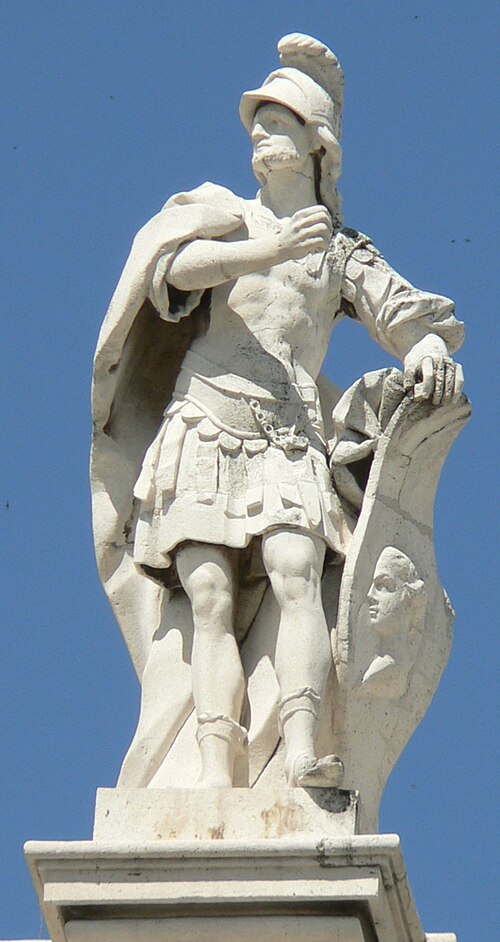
[394,590]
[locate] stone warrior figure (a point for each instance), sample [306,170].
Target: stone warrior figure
[210,407]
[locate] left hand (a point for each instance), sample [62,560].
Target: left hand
[429,373]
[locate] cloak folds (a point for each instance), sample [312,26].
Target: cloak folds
[137,361]
[143,341]
[136,365]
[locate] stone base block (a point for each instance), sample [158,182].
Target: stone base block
[143,814]
[351,889]
[226,865]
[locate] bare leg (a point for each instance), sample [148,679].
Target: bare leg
[207,575]
[294,563]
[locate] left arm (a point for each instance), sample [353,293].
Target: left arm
[417,327]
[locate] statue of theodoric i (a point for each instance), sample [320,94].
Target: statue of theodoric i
[241,502]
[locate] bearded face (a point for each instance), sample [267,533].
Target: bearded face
[280,140]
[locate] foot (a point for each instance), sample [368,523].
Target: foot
[309,772]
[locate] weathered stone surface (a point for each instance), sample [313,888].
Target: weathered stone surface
[266,543]
[373,720]
[213,929]
[144,815]
[228,474]
[350,885]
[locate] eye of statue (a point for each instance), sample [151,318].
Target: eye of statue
[385,582]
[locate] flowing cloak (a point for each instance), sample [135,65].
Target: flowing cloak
[140,349]
[136,363]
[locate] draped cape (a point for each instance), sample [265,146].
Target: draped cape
[147,330]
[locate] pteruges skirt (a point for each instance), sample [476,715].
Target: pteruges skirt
[208,478]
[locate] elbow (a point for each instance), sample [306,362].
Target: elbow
[192,281]
[183,281]
[190,272]
[181,275]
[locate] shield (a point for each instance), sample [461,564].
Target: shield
[379,699]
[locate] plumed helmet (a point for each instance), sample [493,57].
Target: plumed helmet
[311,84]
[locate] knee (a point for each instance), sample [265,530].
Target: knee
[293,590]
[210,592]
[295,575]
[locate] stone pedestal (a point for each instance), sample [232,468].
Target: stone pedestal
[233,814]
[234,865]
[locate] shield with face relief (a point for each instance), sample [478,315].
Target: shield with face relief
[386,676]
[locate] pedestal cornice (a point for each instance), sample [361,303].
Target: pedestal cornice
[360,878]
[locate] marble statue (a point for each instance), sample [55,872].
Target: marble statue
[265,541]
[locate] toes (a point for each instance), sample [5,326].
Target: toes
[326,772]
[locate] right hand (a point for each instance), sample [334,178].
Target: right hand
[308,230]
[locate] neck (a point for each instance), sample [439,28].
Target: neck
[286,191]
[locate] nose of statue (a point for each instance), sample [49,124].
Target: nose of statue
[258,133]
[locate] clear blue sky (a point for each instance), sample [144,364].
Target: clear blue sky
[109,108]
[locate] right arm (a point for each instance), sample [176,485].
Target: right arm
[417,327]
[204,263]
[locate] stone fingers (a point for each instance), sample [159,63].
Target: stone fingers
[425,388]
[439,381]
[449,382]
[459,382]
[409,379]
[436,378]
[313,212]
